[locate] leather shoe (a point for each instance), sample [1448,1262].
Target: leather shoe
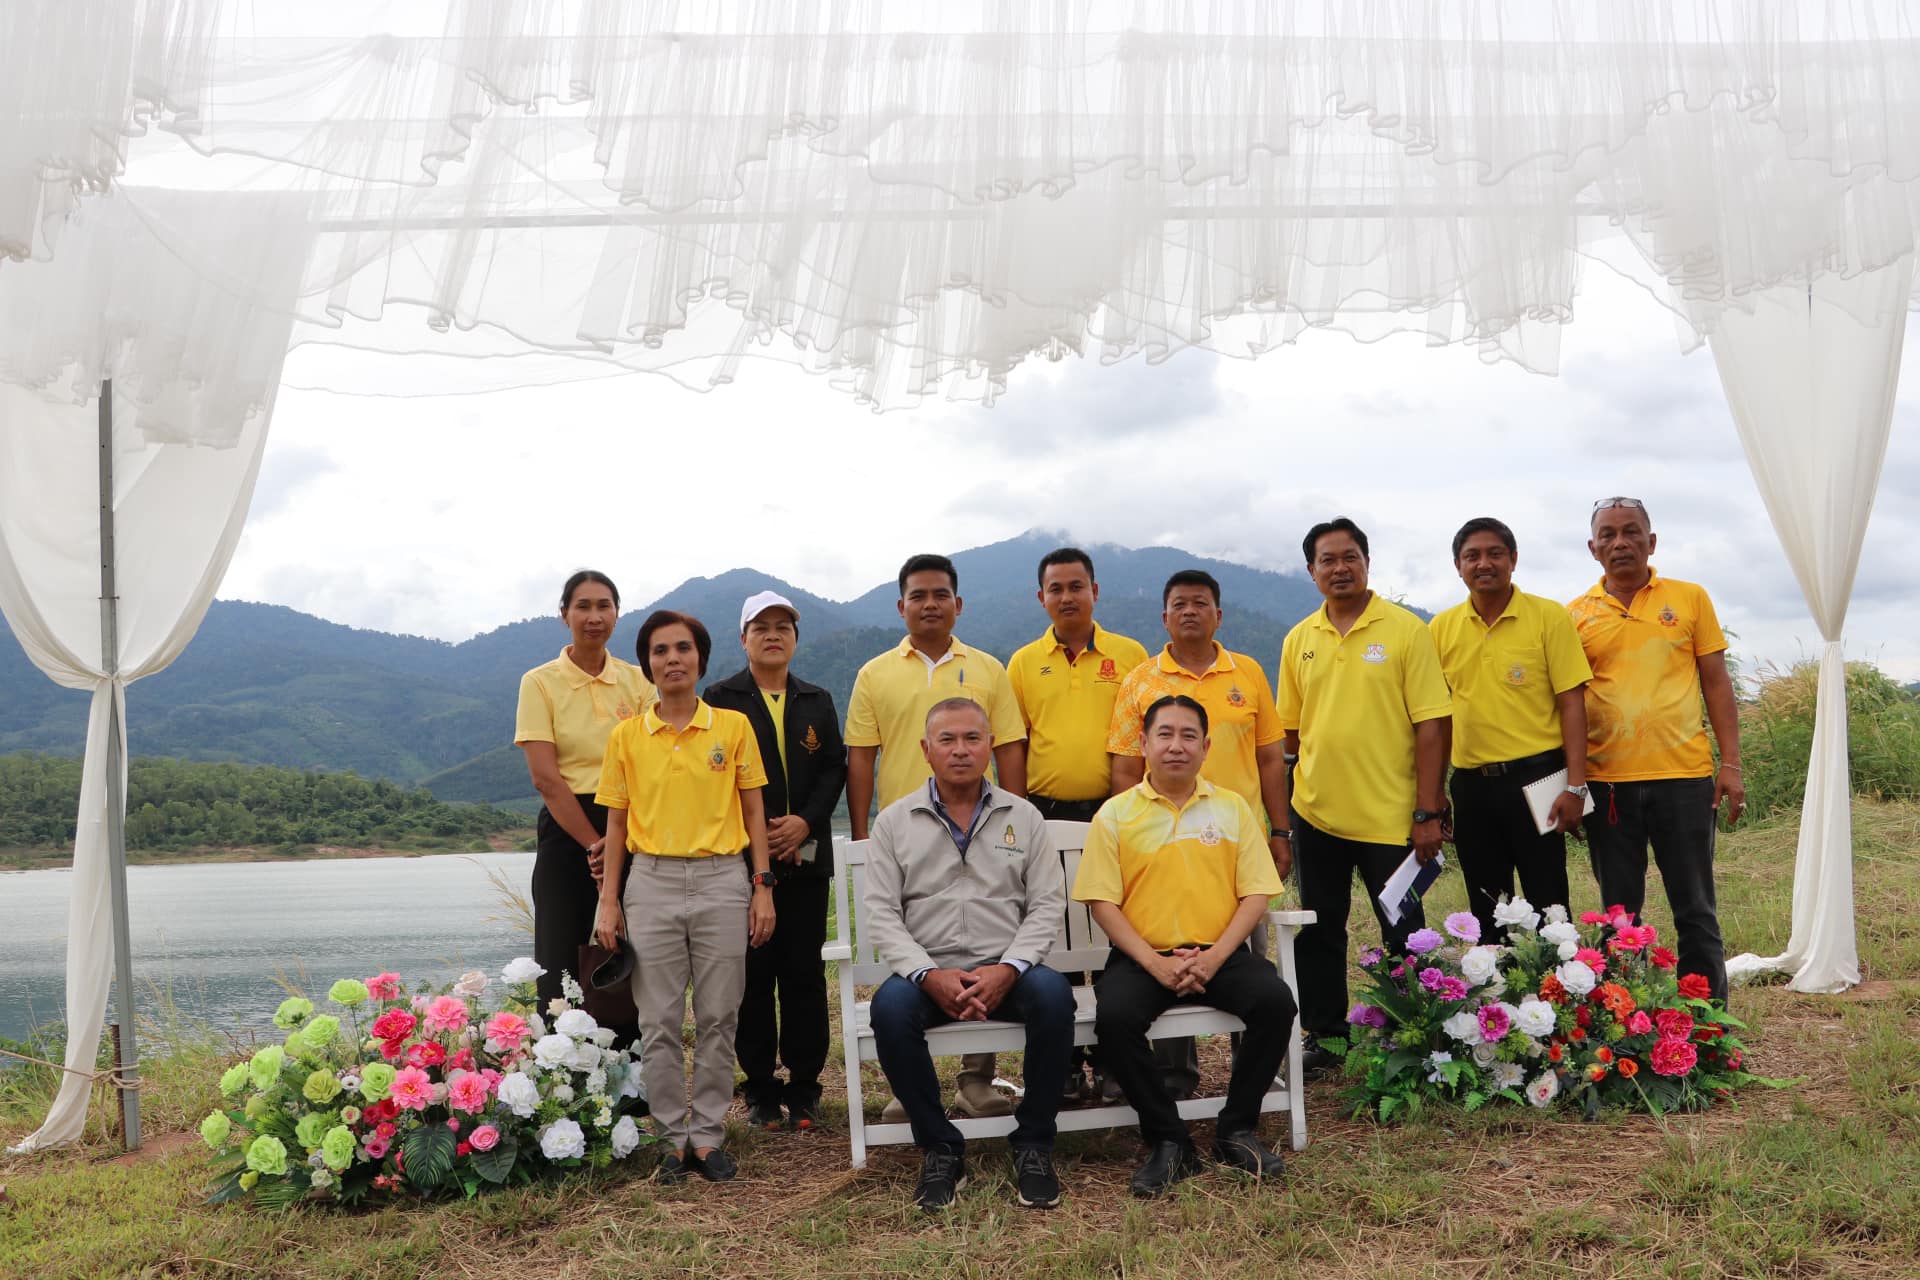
[715,1166]
[1317,1062]
[895,1112]
[672,1170]
[1170,1162]
[978,1098]
[1244,1151]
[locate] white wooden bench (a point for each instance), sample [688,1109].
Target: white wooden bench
[1079,946]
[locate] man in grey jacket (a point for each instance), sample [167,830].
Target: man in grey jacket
[963,898]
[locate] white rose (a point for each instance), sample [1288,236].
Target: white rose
[519,1094]
[1556,914]
[583,1057]
[1516,913]
[472,983]
[563,1140]
[1479,964]
[1495,989]
[521,970]
[1535,1017]
[577,1023]
[552,1051]
[1508,1075]
[1568,950]
[1576,977]
[1544,1089]
[603,1037]
[626,1138]
[1560,931]
[1484,1053]
[1463,1027]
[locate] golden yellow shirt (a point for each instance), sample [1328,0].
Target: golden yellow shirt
[1240,715]
[1645,716]
[561,704]
[1068,707]
[1506,677]
[1177,872]
[681,788]
[1355,700]
[891,697]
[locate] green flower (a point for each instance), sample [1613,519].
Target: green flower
[247,1180]
[267,1154]
[349,993]
[312,1128]
[321,1087]
[216,1129]
[293,1011]
[319,1033]
[375,1079]
[337,1148]
[258,1107]
[234,1080]
[265,1066]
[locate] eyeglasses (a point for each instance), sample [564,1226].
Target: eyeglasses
[1604,503]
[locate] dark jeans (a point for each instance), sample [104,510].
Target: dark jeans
[1066,810]
[1126,1001]
[1326,865]
[1676,816]
[565,899]
[902,1014]
[1494,836]
[790,964]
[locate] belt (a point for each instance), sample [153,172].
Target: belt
[1555,756]
[1066,810]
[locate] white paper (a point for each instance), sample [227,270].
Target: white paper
[1542,793]
[1401,881]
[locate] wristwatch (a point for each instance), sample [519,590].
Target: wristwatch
[1580,791]
[1422,815]
[766,878]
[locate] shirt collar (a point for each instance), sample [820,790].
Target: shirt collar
[579,679]
[1222,660]
[1201,789]
[1093,639]
[1511,611]
[702,717]
[955,649]
[1599,589]
[1376,609]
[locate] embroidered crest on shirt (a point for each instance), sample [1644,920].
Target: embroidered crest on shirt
[622,711]
[1235,698]
[812,741]
[1375,653]
[1010,839]
[1209,834]
[1047,669]
[1668,617]
[716,759]
[1516,674]
[1107,669]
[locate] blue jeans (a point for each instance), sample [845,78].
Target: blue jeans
[901,1016]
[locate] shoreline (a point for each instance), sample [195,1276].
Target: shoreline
[36,860]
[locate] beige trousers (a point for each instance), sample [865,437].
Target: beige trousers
[687,918]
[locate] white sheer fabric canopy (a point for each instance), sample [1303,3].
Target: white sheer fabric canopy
[913,198]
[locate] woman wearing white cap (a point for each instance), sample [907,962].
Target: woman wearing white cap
[806,765]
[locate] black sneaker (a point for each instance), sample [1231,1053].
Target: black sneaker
[1318,1061]
[673,1169]
[762,1114]
[1244,1151]
[804,1114]
[1033,1175]
[1170,1162]
[943,1175]
[715,1166]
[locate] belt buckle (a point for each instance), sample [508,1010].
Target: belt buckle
[1495,770]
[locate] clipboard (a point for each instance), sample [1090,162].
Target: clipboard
[1541,794]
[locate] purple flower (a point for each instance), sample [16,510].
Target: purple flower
[1494,1023]
[1431,978]
[1453,989]
[1366,1015]
[1371,957]
[1422,941]
[1463,925]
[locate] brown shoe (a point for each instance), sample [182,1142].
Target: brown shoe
[976,1097]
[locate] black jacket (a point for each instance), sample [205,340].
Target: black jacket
[814,751]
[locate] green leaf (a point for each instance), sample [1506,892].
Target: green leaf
[1388,1105]
[496,1164]
[279,1193]
[227,1188]
[428,1156]
[1474,1100]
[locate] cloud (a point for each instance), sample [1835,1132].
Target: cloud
[284,471]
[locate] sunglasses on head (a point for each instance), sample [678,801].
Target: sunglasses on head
[1604,503]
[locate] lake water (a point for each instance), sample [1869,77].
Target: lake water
[211,937]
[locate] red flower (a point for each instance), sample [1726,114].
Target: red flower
[1592,917]
[385,1109]
[461,1061]
[426,1053]
[1733,1062]
[1695,987]
[385,1130]
[1576,1035]
[462,1148]
[1603,1053]
[1673,1057]
[392,1049]
[1673,1024]
[394,1024]
[1627,1068]
[1597,1071]
[1663,958]
[1583,1016]
[1555,1052]
[1708,1031]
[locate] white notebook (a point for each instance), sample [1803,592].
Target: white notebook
[1541,795]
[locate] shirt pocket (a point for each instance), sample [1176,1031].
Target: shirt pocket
[1522,666]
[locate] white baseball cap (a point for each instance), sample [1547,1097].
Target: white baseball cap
[760,603]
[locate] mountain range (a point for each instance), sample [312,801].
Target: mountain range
[265,684]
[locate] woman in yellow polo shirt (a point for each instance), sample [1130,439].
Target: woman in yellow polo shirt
[568,708]
[682,785]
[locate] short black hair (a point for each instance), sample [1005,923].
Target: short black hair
[1191,578]
[957,704]
[1062,555]
[1484,524]
[1167,703]
[668,618]
[580,578]
[1339,524]
[927,563]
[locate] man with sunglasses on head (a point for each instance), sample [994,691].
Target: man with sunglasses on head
[1657,654]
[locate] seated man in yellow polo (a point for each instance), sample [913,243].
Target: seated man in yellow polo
[1178,873]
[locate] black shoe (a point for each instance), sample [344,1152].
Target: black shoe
[673,1169]
[1317,1062]
[1033,1175]
[943,1175]
[1243,1151]
[1075,1087]
[804,1114]
[715,1166]
[1170,1162]
[762,1114]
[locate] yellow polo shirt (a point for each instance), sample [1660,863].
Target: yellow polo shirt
[1068,707]
[1505,677]
[681,788]
[891,697]
[1355,700]
[1240,715]
[1645,716]
[1177,872]
[561,704]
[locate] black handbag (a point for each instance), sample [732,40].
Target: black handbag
[607,983]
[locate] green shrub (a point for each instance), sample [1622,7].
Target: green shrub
[1776,736]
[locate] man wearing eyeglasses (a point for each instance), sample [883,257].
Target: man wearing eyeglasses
[1657,653]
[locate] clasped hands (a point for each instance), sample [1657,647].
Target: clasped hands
[970,995]
[1187,970]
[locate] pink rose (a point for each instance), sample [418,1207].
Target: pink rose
[507,1030]
[384,987]
[447,1013]
[1673,1057]
[412,1089]
[394,1024]
[468,1093]
[426,1053]
[1639,1024]
[377,1147]
[485,1138]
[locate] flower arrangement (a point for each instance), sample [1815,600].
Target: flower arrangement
[424,1093]
[1590,1014]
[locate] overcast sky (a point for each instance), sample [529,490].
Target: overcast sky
[451,515]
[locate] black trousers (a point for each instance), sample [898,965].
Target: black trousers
[565,900]
[1676,816]
[1326,865]
[787,971]
[1126,1001]
[1494,837]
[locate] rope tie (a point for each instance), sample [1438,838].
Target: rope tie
[118,1077]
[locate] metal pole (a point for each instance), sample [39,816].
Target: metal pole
[116,764]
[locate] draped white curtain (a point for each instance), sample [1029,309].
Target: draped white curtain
[1811,379]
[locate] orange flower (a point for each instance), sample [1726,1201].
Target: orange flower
[1604,1054]
[1576,1035]
[1618,1000]
[1550,989]
[1628,1068]
[1597,1071]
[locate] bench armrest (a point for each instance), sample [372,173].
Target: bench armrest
[1292,919]
[836,951]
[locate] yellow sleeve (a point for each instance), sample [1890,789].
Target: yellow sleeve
[533,718]
[1253,870]
[1707,636]
[1123,730]
[613,769]
[1566,661]
[1003,709]
[1017,679]
[748,768]
[1099,877]
[1289,697]
[863,722]
[1422,684]
[1267,728]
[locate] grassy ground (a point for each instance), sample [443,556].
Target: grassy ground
[1819,1179]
